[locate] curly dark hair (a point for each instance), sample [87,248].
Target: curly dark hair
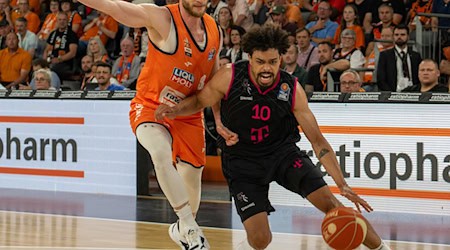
[265,37]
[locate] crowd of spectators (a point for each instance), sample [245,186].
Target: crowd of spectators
[74,43]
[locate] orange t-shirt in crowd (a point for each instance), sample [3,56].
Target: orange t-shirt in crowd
[33,20]
[108,22]
[12,64]
[75,18]
[360,39]
[171,77]
[48,26]
[35,5]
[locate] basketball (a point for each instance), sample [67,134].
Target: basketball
[344,228]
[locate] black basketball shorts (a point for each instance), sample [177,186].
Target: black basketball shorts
[249,178]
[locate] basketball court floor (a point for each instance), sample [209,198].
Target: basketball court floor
[57,220]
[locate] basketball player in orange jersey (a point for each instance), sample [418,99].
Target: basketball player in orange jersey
[265,106]
[182,56]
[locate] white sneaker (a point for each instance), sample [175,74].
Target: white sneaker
[196,240]
[174,233]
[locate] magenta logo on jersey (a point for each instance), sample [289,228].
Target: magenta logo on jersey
[182,77]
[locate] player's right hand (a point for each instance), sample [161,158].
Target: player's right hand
[230,137]
[163,111]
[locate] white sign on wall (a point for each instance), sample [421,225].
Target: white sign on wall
[396,156]
[67,145]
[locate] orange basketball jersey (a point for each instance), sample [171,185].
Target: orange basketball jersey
[170,78]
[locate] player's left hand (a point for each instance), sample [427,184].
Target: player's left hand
[348,193]
[163,111]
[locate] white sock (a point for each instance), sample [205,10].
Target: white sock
[192,178]
[244,245]
[186,219]
[382,246]
[158,142]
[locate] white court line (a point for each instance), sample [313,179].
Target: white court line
[211,228]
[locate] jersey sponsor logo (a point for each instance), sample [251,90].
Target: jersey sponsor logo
[182,77]
[246,90]
[170,96]
[283,93]
[211,54]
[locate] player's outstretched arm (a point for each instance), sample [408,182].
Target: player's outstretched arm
[322,148]
[132,15]
[211,94]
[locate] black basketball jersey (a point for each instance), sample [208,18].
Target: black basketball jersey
[263,119]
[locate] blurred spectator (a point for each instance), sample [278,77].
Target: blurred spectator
[373,55]
[323,29]
[15,63]
[386,14]
[440,7]
[240,13]
[126,68]
[419,6]
[4,30]
[363,7]
[35,5]
[404,74]
[277,15]
[41,63]
[225,22]
[103,26]
[223,60]
[307,53]
[48,26]
[235,52]
[61,47]
[317,74]
[350,81]
[348,50]
[87,72]
[74,18]
[27,39]
[5,12]
[291,66]
[293,13]
[42,81]
[444,66]
[103,76]
[350,20]
[428,77]
[261,10]
[213,7]
[97,50]
[33,20]
[140,41]
[373,18]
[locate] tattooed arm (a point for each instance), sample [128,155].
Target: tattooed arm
[321,147]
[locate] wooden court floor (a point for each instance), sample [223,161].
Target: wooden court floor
[56,220]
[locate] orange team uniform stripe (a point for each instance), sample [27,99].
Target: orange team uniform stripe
[44,172]
[38,119]
[397,193]
[385,131]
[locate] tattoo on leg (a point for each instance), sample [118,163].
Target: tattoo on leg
[323,152]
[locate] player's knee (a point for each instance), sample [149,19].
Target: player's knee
[260,240]
[332,202]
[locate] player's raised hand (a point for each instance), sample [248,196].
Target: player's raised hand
[348,193]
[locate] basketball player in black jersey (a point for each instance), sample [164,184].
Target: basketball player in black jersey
[263,106]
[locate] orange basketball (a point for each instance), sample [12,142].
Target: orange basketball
[344,228]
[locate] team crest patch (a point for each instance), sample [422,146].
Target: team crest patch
[283,93]
[211,54]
